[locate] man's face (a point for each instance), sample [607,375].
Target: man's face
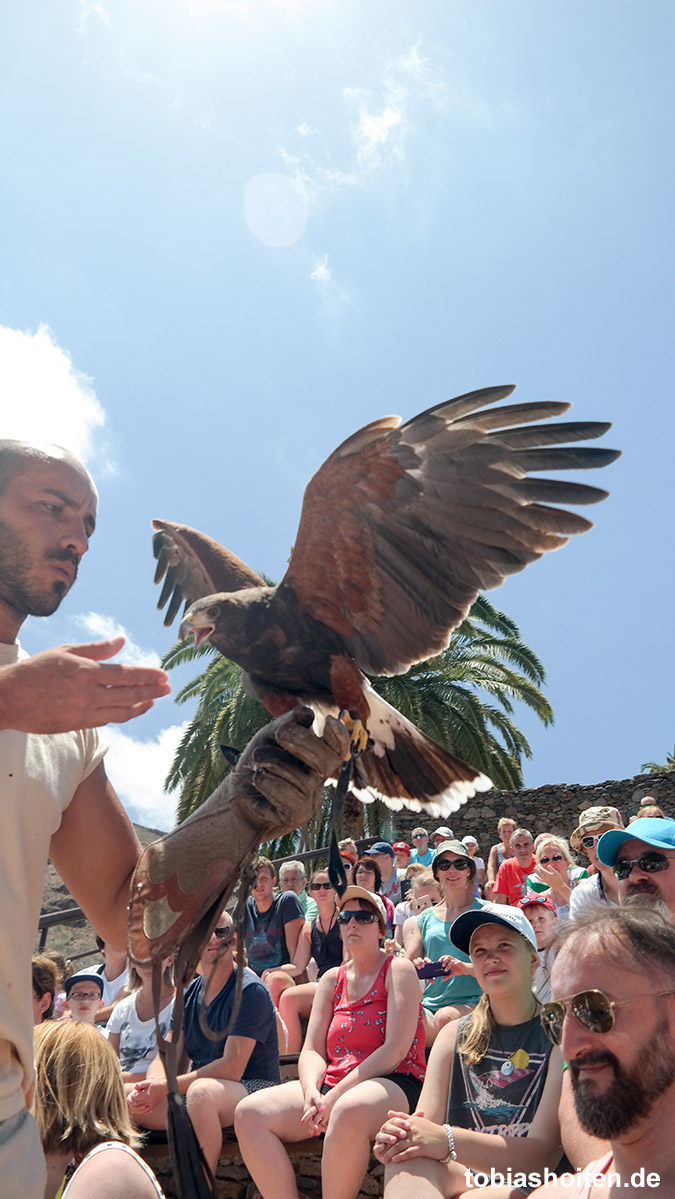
[47,515]
[618,1076]
[420,841]
[591,851]
[644,885]
[543,921]
[402,859]
[522,848]
[264,885]
[217,947]
[291,880]
[386,864]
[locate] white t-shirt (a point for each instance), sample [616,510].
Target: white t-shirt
[138,1039]
[587,895]
[40,775]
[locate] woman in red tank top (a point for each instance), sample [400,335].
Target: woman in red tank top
[363,1054]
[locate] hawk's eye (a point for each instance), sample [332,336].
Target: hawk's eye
[213,613]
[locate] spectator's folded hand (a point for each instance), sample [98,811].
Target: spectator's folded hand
[402,1137]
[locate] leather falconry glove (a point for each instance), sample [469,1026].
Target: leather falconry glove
[182,881]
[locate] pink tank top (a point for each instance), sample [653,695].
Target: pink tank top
[585,1182]
[358,1029]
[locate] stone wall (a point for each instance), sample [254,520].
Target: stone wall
[552,809]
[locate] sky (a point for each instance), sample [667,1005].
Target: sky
[235,231]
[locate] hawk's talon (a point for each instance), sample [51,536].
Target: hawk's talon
[359,737]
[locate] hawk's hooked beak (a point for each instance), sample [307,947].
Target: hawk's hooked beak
[198,624]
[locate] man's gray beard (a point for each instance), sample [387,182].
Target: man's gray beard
[630,1096]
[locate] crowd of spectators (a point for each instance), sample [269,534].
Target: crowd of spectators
[426,1004]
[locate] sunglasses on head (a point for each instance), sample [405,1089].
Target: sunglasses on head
[321,886]
[649,863]
[356,914]
[593,1010]
[556,857]
[452,863]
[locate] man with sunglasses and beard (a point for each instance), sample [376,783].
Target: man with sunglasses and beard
[642,858]
[613,1015]
[216,1074]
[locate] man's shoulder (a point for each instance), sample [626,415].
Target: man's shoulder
[287,904]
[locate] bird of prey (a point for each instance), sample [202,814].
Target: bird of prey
[401,528]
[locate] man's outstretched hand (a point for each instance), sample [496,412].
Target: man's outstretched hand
[74,687]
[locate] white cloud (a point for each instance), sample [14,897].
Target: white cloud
[333,295]
[322,272]
[91,9]
[384,121]
[42,390]
[103,628]
[137,770]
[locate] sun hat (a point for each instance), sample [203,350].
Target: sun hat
[463,928]
[452,847]
[595,818]
[354,892]
[656,831]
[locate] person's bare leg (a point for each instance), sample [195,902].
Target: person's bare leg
[296,1003]
[354,1122]
[155,1120]
[263,1122]
[210,1104]
[423,1178]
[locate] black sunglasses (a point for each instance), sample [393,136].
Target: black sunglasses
[356,914]
[649,863]
[454,863]
[557,857]
[321,887]
[593,1010]
[224,932]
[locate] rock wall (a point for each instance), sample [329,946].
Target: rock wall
[551,809]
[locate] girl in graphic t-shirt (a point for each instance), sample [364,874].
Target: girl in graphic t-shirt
[131,1027]
[493,1075]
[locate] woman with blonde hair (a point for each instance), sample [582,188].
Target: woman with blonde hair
[131,1027]
[82,1117]
[494,1076]
[555,876]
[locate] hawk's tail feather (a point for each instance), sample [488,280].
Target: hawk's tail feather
[406,769]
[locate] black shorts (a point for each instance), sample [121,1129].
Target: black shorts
[410,1086]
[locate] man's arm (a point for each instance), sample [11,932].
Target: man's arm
[72,687]
[95,853]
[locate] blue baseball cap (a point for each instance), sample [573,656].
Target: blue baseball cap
[653,830]
[381,847]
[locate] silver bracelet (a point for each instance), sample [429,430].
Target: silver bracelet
[452,1156]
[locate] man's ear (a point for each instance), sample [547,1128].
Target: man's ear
[45,1001]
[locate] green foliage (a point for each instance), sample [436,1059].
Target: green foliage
[655,768]
[464,699]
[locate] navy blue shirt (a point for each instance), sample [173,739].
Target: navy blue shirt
[264,932]
[256,1019]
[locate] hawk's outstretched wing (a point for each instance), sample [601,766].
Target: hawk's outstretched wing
[193,565]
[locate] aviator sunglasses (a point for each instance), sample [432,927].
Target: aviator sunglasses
[593,1010]
[649,863]
[356,914]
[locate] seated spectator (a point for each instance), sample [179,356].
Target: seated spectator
[364,1053]
[456,991]
[402,857]
[542,916]
[348,865]
[63,971]
[499,853]
[215,1074]
[113,971]
[555,876]
[472,846]
[442,833]
[84,996]
[273,924]
[493,1076]
[651,809]
[293,877]
[367,874]
[348,849]
[45,988]
[404,910]
[601,888]
[390,888]
[321,941]
[643,860]
[82,1118]
[421,850]
[511,882]
[131,1027]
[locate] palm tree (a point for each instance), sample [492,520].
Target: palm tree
[464,699]
[655,768]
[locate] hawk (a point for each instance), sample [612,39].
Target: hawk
[401,528]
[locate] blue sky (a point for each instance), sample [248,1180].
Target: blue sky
[234,232]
